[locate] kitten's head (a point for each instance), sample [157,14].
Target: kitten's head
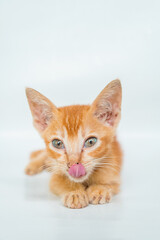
[77,137]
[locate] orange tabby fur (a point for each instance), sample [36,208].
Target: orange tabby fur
[74,124]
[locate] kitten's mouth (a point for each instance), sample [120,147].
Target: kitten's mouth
[77,170]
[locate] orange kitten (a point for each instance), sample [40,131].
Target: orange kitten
[82,152]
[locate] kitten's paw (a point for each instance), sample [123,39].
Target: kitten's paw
[99,194]
[32,169]
[75,199]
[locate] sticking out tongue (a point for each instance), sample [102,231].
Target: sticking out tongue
[77,170]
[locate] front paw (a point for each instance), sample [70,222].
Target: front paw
[33,168]
[75,199]
[99,194]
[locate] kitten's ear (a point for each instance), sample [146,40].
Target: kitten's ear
[107,106]
[43,111]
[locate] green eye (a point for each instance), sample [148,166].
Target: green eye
[58,144]
[90,142]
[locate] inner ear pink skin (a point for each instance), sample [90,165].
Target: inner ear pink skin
[77,170]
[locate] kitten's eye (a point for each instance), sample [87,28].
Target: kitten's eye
[90,142]
[58,144]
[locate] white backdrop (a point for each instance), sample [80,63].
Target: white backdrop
[69,50]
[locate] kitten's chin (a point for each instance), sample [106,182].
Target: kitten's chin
[79,179]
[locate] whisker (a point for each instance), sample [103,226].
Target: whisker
[108,163]
[102,158]
[112,168]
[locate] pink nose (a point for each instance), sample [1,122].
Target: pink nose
[77,170]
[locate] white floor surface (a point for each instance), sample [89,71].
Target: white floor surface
[28,211]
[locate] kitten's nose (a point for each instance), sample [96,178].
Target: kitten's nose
[73,159]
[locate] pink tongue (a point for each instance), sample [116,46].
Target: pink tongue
[77,170]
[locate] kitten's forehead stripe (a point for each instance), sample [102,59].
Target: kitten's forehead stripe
[73,144]
[72,118]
